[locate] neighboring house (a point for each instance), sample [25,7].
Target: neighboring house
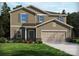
[32,23]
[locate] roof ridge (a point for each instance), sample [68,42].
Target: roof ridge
[52,12]
[37,8]
[35,12]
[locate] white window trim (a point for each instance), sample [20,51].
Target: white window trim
[59,17]
[40,21]
[40,15]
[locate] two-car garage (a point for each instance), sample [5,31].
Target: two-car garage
[53,31]
[53,36]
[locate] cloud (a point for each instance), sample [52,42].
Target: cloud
[52,6]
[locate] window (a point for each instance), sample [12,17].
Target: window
[61,18]
[23,17]
[40,18]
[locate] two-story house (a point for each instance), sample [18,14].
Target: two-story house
[32,23]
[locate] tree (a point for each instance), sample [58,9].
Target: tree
[63,12]
[1,28]
[0,8]
[5,19]
[73,19]
[17,6]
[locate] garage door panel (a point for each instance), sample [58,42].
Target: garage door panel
[53,36]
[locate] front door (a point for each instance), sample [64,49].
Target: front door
[31,34]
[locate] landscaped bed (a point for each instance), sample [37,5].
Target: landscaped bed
[24,49]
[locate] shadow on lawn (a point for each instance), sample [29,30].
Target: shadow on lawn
[1,52]
[31,53]
[40,52]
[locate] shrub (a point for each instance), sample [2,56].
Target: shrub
[77,40]
[69,40]
[10,41]
[39,42]
[3,40]
[74,41]
[18,41]
[29,41]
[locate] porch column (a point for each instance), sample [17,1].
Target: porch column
[25,34]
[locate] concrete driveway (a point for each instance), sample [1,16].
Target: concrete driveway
[70,48]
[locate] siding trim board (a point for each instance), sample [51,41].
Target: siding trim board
[23,9]
[42,14]
[55,30]
[22,26]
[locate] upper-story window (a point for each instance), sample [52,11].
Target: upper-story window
[23,17]
[40,18]
[19,34]
[61,18]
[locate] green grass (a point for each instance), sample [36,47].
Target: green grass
[23,49]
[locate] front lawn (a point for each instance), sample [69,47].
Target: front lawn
[23,49]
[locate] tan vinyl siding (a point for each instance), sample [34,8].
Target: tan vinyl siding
[53,17]
[15,20]
[49,26]
[13,31]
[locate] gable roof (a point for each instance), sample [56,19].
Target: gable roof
[28,8]
[46,12]
[56,21]
[15,9]
[22,8]
[64,23]
[31,6]
[52,12]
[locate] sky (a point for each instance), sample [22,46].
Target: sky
[50,6]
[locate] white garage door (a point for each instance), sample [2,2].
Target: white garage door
[53,36]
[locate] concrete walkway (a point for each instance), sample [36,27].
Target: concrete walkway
[70,48]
